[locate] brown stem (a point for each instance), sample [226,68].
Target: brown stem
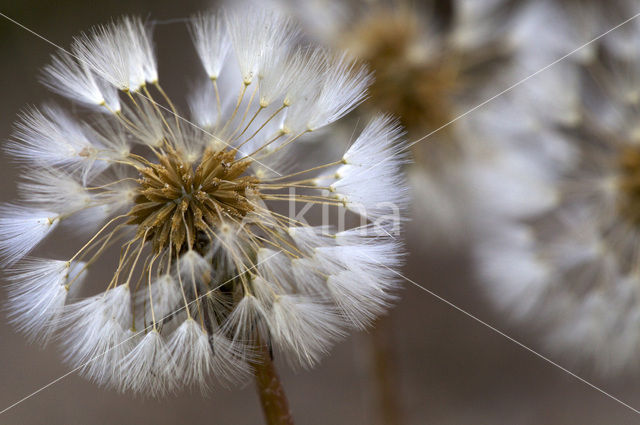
[272,397]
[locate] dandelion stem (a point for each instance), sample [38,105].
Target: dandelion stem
[272,397]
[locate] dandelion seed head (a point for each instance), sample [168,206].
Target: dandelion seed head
[206,269]
[567,264]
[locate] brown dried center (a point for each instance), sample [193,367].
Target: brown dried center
[629,184]
[417,90]
[177,198]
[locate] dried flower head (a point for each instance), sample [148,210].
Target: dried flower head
[561,248]
[207,268]
[432,62]
[427,58]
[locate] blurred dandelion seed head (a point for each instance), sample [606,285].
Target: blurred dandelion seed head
[432,63]
[411,82]
[558,246]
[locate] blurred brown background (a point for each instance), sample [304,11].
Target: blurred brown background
[451,369]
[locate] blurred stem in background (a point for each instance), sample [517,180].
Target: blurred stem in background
[272,396]
[384,369]
[427,69]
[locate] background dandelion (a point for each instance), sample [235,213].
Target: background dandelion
[565,258]
[432,61]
